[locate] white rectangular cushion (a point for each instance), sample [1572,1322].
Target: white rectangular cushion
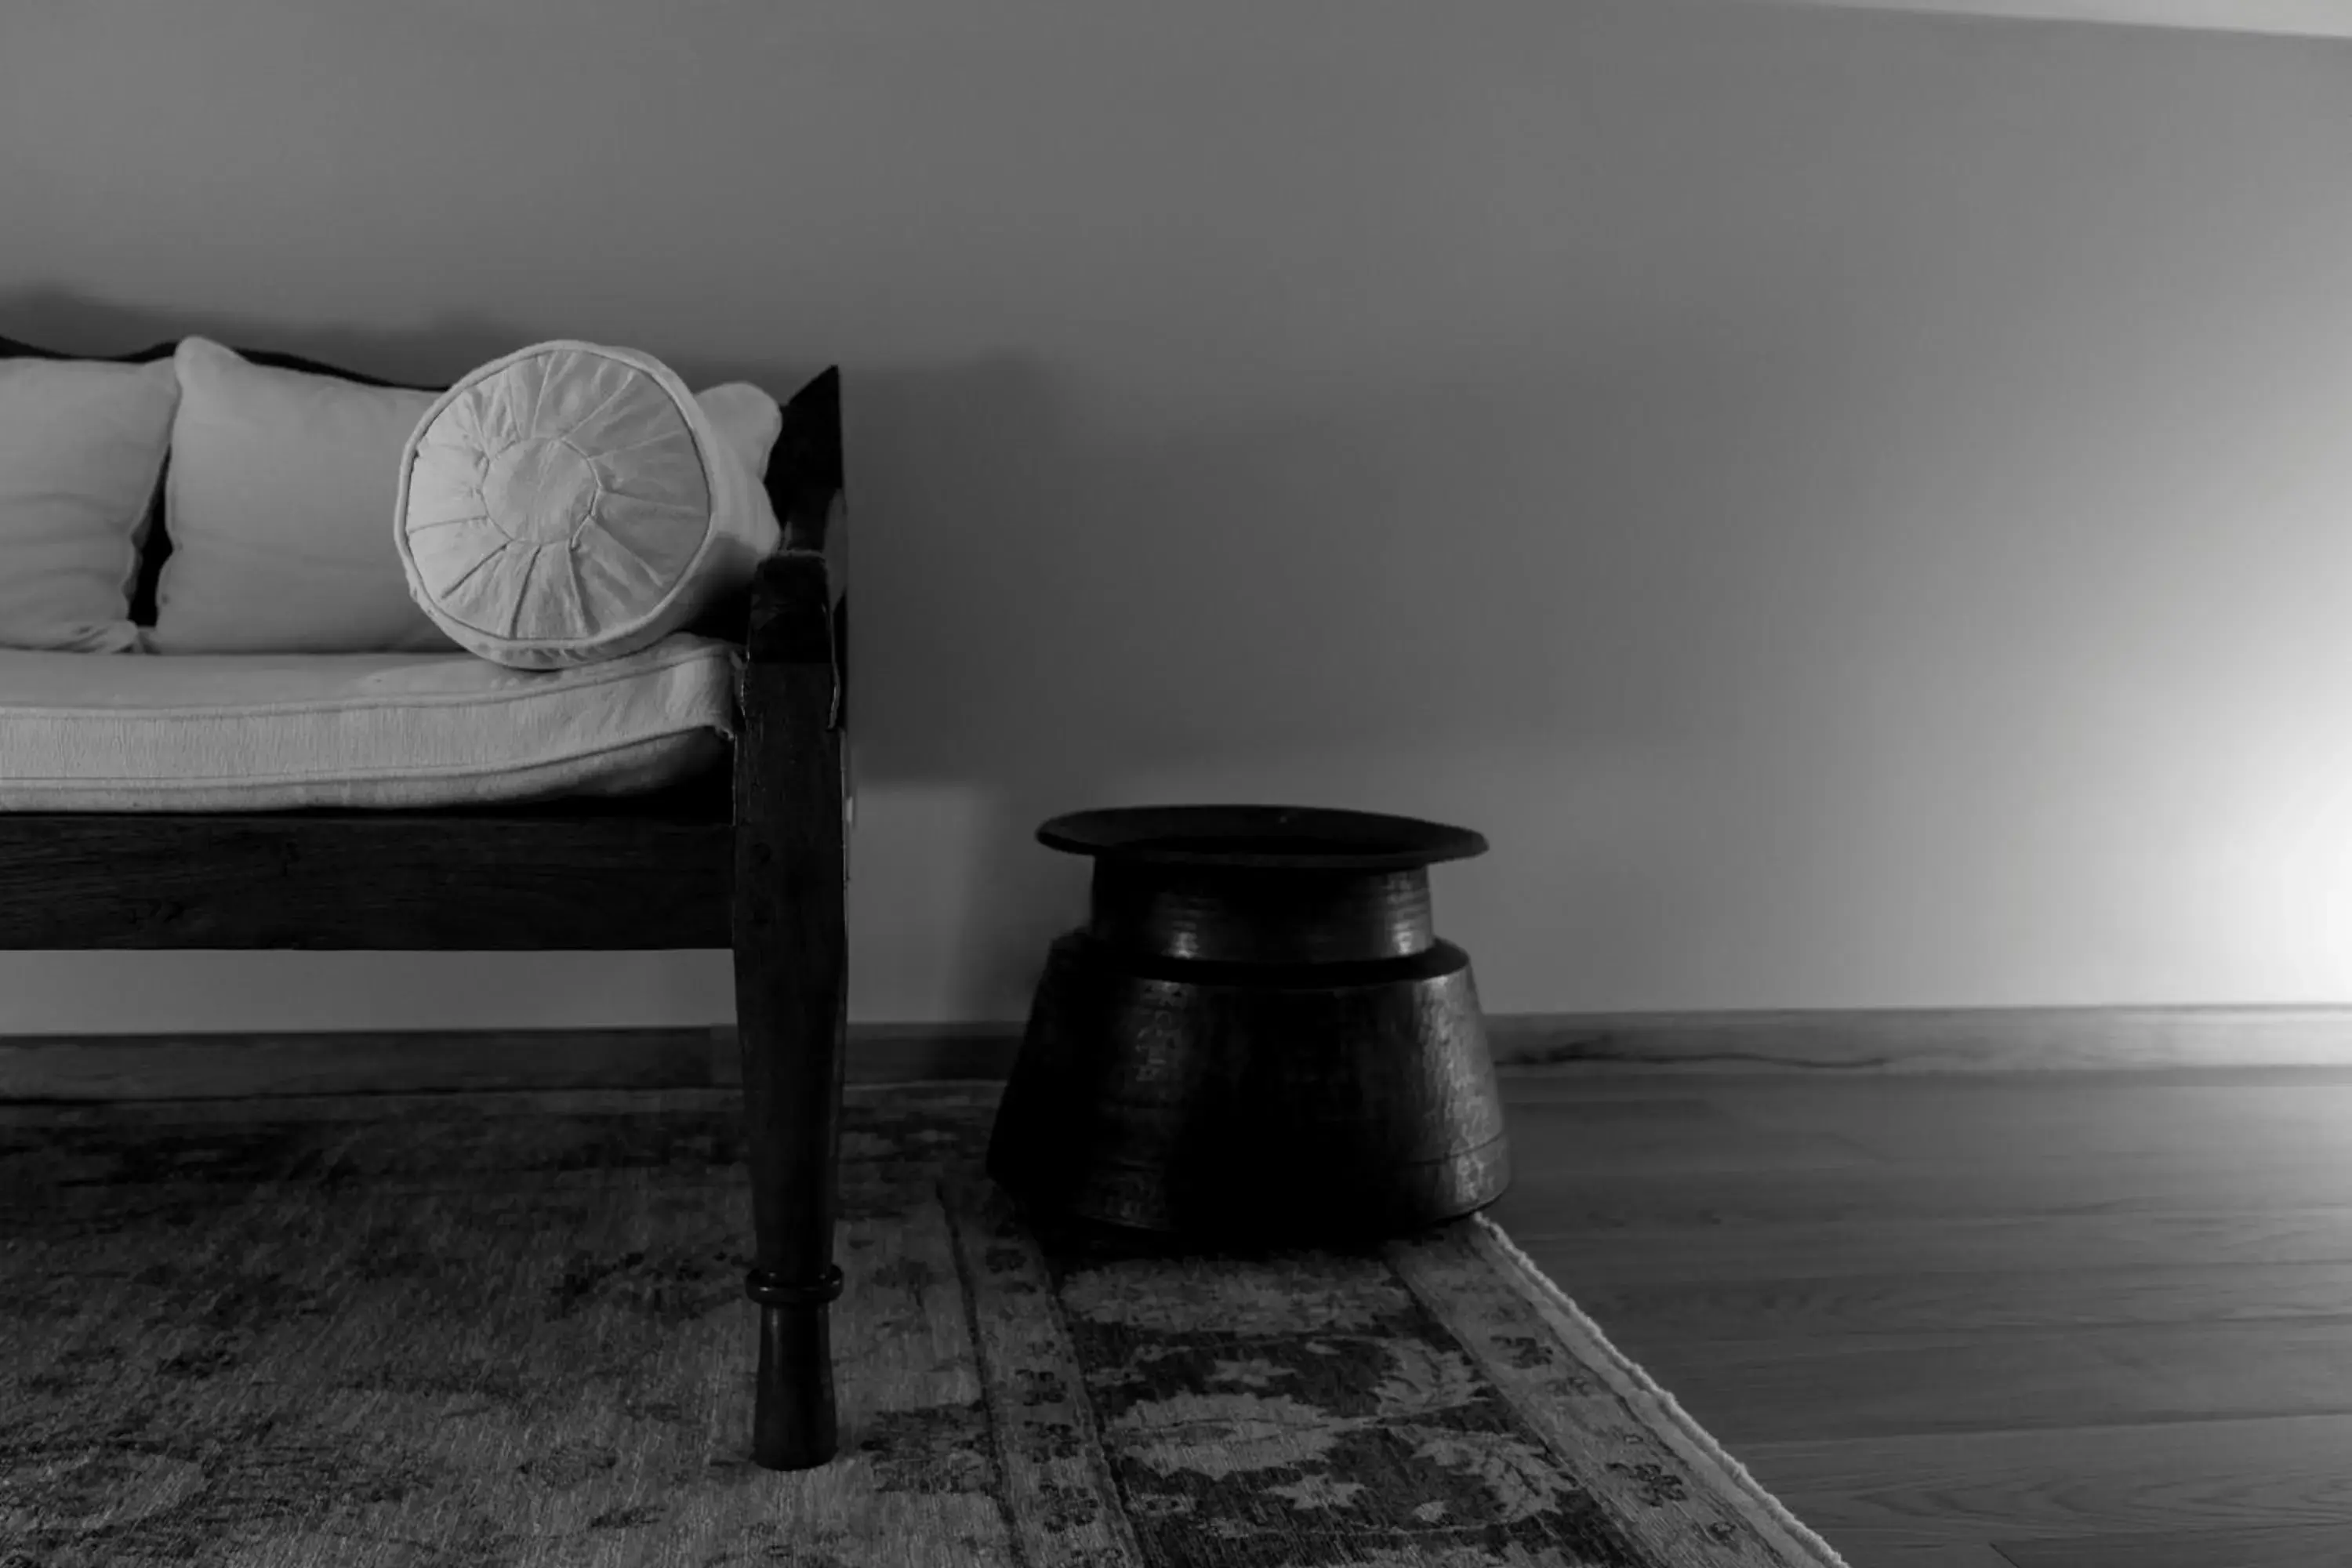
[81,444]
[272,731]
[278,506]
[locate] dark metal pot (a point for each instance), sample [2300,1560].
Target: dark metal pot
[1257,1036]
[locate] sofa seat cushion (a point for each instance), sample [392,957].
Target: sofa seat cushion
[271,731]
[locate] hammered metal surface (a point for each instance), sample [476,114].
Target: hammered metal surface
[1257,1034]
[1259,916]
[1276,1110]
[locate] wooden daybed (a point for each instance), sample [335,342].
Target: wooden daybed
[750,857]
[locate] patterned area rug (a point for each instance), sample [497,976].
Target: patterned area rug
[422,1331]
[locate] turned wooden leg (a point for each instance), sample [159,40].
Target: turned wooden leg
[792,971]
[793,1127]
[794,1424]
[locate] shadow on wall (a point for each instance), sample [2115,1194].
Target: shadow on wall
[436,354]
[1053,603]
[1060,602]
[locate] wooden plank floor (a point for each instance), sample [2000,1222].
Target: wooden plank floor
[2084,1319]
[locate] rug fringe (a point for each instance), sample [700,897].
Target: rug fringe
[1684,1427]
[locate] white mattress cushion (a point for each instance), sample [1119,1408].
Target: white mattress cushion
[568,503]
[274,732]
[81,442]
[278,508]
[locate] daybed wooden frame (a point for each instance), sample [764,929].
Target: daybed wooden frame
[753,860]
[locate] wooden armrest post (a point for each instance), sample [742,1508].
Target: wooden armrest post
[791,940]
[792,966]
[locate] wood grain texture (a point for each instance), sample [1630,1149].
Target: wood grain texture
[1853,1308]
[1972,1245]
[1935,1040]
[2065,1483]
[383,880]
[1948,1554]
[2031,1320]
[2259,1178]
[235,1067]
[2322,1548]
[1568,1144]
[2132,1121]
[1906,1385]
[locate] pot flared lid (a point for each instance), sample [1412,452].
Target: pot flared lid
[1269,837]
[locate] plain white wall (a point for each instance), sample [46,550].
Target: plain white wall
[2310,19]
[1853,506]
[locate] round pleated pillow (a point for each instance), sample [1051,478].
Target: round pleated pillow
[570,503]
